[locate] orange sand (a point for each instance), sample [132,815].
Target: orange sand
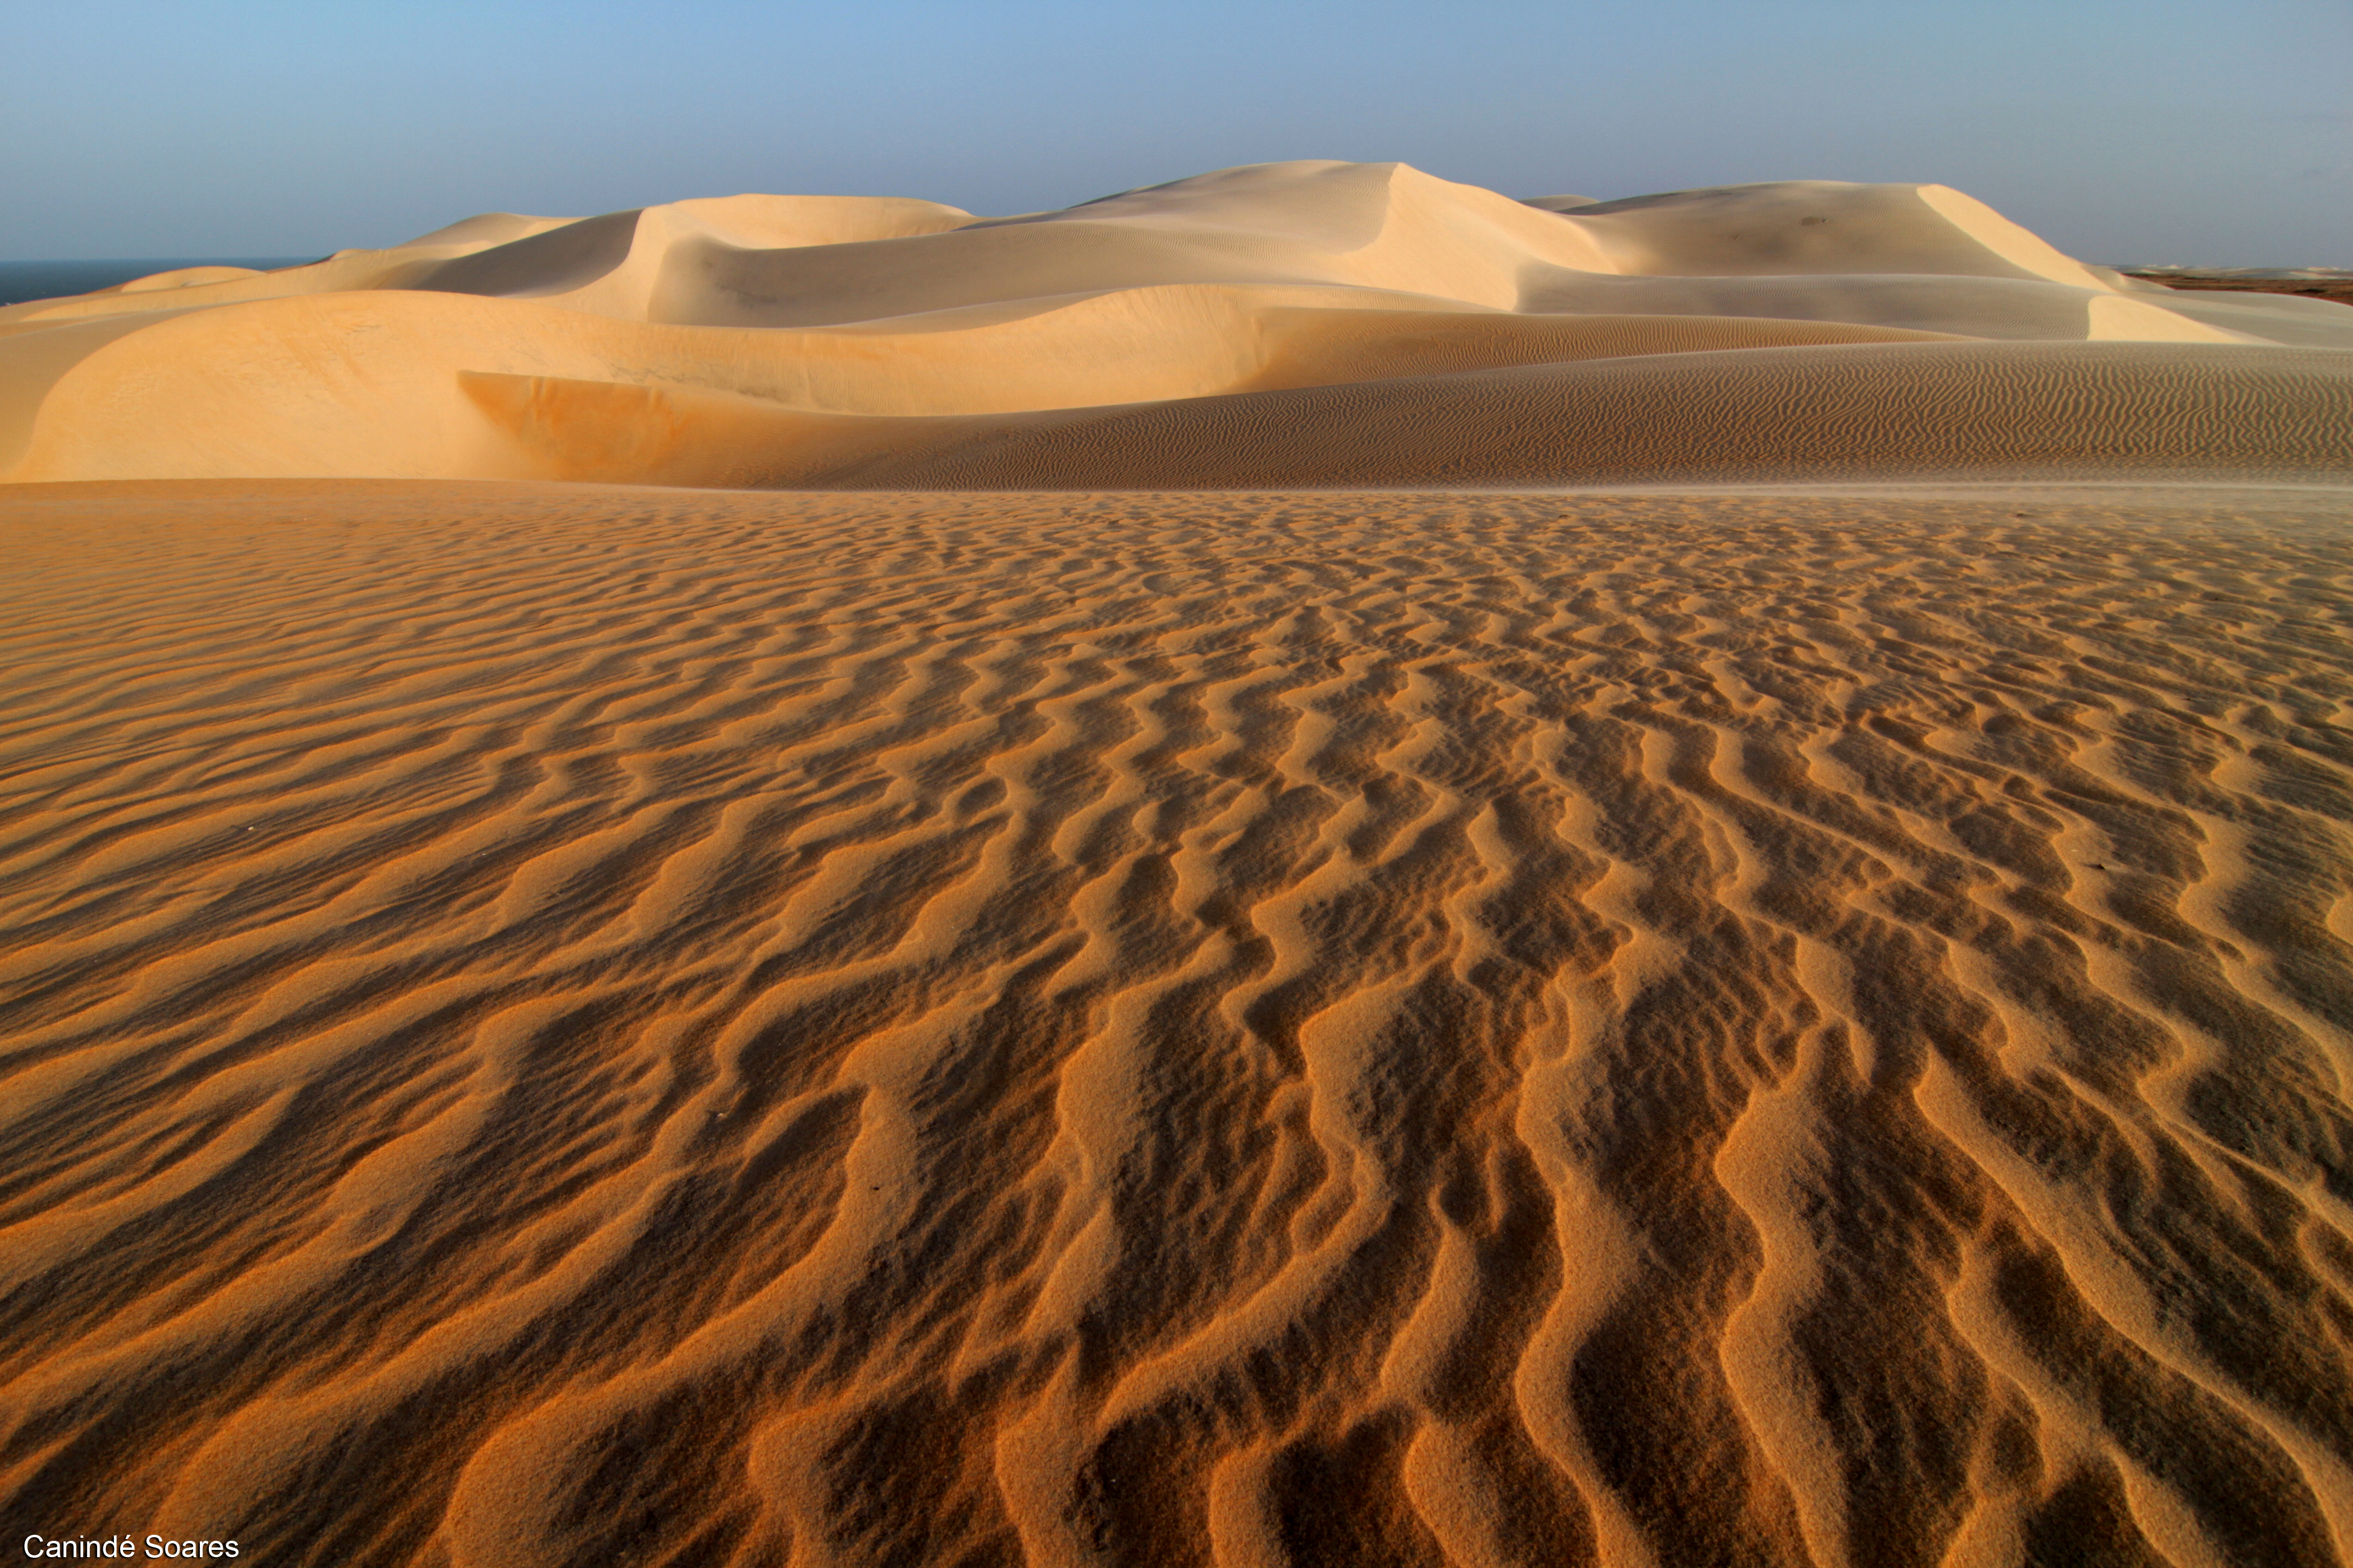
[562,1026]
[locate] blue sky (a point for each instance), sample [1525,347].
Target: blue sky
[2151,130]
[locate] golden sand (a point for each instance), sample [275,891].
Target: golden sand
[559,1026]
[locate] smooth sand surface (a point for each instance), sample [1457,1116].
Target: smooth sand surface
[558,1025]
[1425,333]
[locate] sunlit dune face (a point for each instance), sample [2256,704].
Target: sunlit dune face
[1433,334]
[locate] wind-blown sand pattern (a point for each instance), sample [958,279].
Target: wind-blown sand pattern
[1308,325]
[566,1026]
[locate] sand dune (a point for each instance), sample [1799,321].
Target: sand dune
[552,1025]
[1977,410]
[764,336]
[1345,1021]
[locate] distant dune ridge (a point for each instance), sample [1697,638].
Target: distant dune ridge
[1307,324]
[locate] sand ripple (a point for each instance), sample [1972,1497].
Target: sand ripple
[587,1026]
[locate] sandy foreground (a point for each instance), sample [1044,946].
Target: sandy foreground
[574,1025]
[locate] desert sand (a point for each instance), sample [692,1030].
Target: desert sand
[1794,1011]
[1309,325]
[558,1024]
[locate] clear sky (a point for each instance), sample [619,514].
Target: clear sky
[2147,131]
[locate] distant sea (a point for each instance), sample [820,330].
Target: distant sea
[23,281]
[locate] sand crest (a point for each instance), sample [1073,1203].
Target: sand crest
[549,1024]
[818,341]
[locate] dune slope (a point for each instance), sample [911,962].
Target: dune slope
[559,1026]
[795,338]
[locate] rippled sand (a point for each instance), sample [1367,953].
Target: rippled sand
[592,1026]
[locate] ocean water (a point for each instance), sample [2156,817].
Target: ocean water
[23,281]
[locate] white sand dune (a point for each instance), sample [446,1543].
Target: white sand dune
[798,341]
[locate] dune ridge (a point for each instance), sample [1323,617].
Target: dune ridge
[785,339]
[550,1025]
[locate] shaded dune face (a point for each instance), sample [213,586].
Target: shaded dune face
[762,328]
[566,1027]
[1972,411]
